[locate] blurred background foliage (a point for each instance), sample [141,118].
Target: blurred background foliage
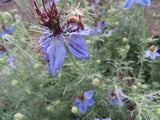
[115,61]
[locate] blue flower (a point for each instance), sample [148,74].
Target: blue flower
[54,51]
[152,52]
[99,26]
[84,100]
[129,3]
[10,63]
[56,38]
[95,4]
[7,31]
[103,119]
[116,97]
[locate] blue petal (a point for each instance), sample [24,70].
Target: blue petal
[88,94]
[87,31]
[1,34]
[9,30]
[153,56]
[120,103]
[45,45]
[97,30]
[128,4]
[143,2]
[83,107]
[10,60]
[77,46]
[106,119]
[56,55]
[110,32]
[77,102]
[96,119]
[112,101]
[89,102]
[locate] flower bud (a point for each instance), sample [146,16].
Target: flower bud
[8,39]
[19,116]
[74,109]
[14,11]
[36,66]
[124,39]
[88,42]
[112,11]
[139,84]
[41,85]
[98,61]
[2,61]
[116,23]
[158,112]
[95,82]
[6,16]
[58,102]
[144,86]
[14,83]
[49,108]
[127,47]
[134,87]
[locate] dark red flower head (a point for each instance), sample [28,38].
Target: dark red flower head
[49,17]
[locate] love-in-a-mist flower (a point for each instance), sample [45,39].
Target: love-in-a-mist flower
[116,97]
[152,52]
[57,37]
[6,30]
[129,3]
[102,119]
[95,4]
[84,100]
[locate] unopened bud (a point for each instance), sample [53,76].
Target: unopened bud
[14,83]
[98,61]
[74,109]
[58,102]
[95,82]
[49,108]
[88,42]
[36,66]
[124,39]
[19,116]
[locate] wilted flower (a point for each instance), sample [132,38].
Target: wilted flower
[84,100]
[116,97]
[95,82]
[129,3]
[152,52]
[54,40]
[102,119]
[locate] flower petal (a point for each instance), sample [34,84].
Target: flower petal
[77,102]
[112,101]
[143,2]
[56,55]
[106,119]
[86,32]
[89,102]
[128,3]
[96,119]
[88,94]
[153,56]
[120,103]
[1,34]
[77,46]
[83,107]
[9,30]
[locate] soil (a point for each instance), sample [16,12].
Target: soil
[153,22]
